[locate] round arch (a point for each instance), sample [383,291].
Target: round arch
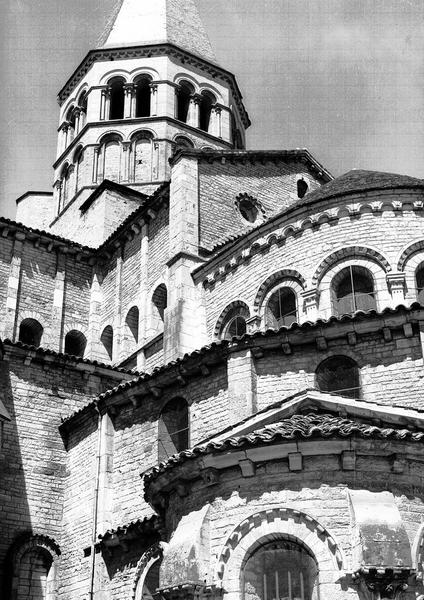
[110,136]
[143,71]
[114,74]
[285,278]
[350,252]
[181,78]
[151,556]
[143,133]
[236,306]
[278,523]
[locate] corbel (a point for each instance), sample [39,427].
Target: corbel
[321,342]
[408,332]
[50,246]
[151,213]
[247,467]
[348,460]
[295,461]
[387,334]
[204,370]
[156,391]
[5,232]
[210,476]
[286,347]
[352,338]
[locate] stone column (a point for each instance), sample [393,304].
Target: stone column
[96,163]
[310,306]
[193,117]
[117,320]
[242,378]
[144,288]
[56,330]
[129,91]
[215,124]
[94,316]
[105,104]
[77,113]
[105,497]
[397,285]
[65,136]
[153,99]
[9,324]
[126,149]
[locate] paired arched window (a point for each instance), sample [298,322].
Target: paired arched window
[184,94]
[142,96]
[419,280]
[106,340]
[281,310]
[117,98]
[282,569]
[173,428]
[352,290]
[75,343]
[159,304]
[30,332]
[206,104]
[339,375]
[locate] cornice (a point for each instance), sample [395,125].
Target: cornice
[107,54]
[292,223]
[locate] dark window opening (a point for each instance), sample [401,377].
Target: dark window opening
[205,110]
[75,343]
[248,210]
[419,278]
[236,327]
[184,94]
[117,99]
[30,332]
[283,570]
[142,98]
[160,300]
[173,428]
[339,375]
[354,291]
[302,188]
[132,323]
[281,309]
[107,341]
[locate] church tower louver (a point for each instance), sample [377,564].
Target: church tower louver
[211,358]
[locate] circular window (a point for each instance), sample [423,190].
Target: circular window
[248,210]
[283,570]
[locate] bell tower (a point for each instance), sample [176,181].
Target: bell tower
[151,85]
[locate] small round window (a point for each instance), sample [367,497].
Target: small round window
[248,210]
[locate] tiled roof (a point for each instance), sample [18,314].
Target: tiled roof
[296,427]
[47,234]
[134,529]
[222,344]
[68,357]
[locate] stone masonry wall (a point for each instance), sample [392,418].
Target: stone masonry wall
[272,184]
[33,471]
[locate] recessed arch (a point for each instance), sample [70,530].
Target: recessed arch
[408,253]
[275,279]
[110,136]
[350,252]
[234,310]
[173,428]
[182,141]
[208,100]
[184,92]
[340,375]
[278,523]
[145,133]
[117,97]
[106,340]
[40,552]
[142,95]
[152,556]
[75,343]
[30,332]
[181,78]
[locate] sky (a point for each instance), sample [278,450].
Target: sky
[343,78]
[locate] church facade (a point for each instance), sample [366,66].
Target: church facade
[211,358]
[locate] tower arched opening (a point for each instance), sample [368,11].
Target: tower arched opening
[75,343]
[142,96]
[206,104]
[30,332]
[117,98]
[184,95]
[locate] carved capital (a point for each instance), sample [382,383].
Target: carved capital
[129,88]
[126,146]
[196,98]
[153,87]
[383,584]
[396,281]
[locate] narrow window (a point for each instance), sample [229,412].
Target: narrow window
[353,290]
[280,569]
[117,99]
[208,100]
[184,93]
[75,343]
[339,375]
[419,278]
[30,332]
[302,188]
[33,579]
[159,302]
[107,341]
[281,310]
[234,321]
[131,330]
[173,428]
[142,97]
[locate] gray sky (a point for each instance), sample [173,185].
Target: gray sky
[344,78]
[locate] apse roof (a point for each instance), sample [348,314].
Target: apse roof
[143,22]
[298,426]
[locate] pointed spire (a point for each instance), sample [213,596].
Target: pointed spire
[142,22]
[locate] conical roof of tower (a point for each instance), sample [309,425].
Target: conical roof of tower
[145,22]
